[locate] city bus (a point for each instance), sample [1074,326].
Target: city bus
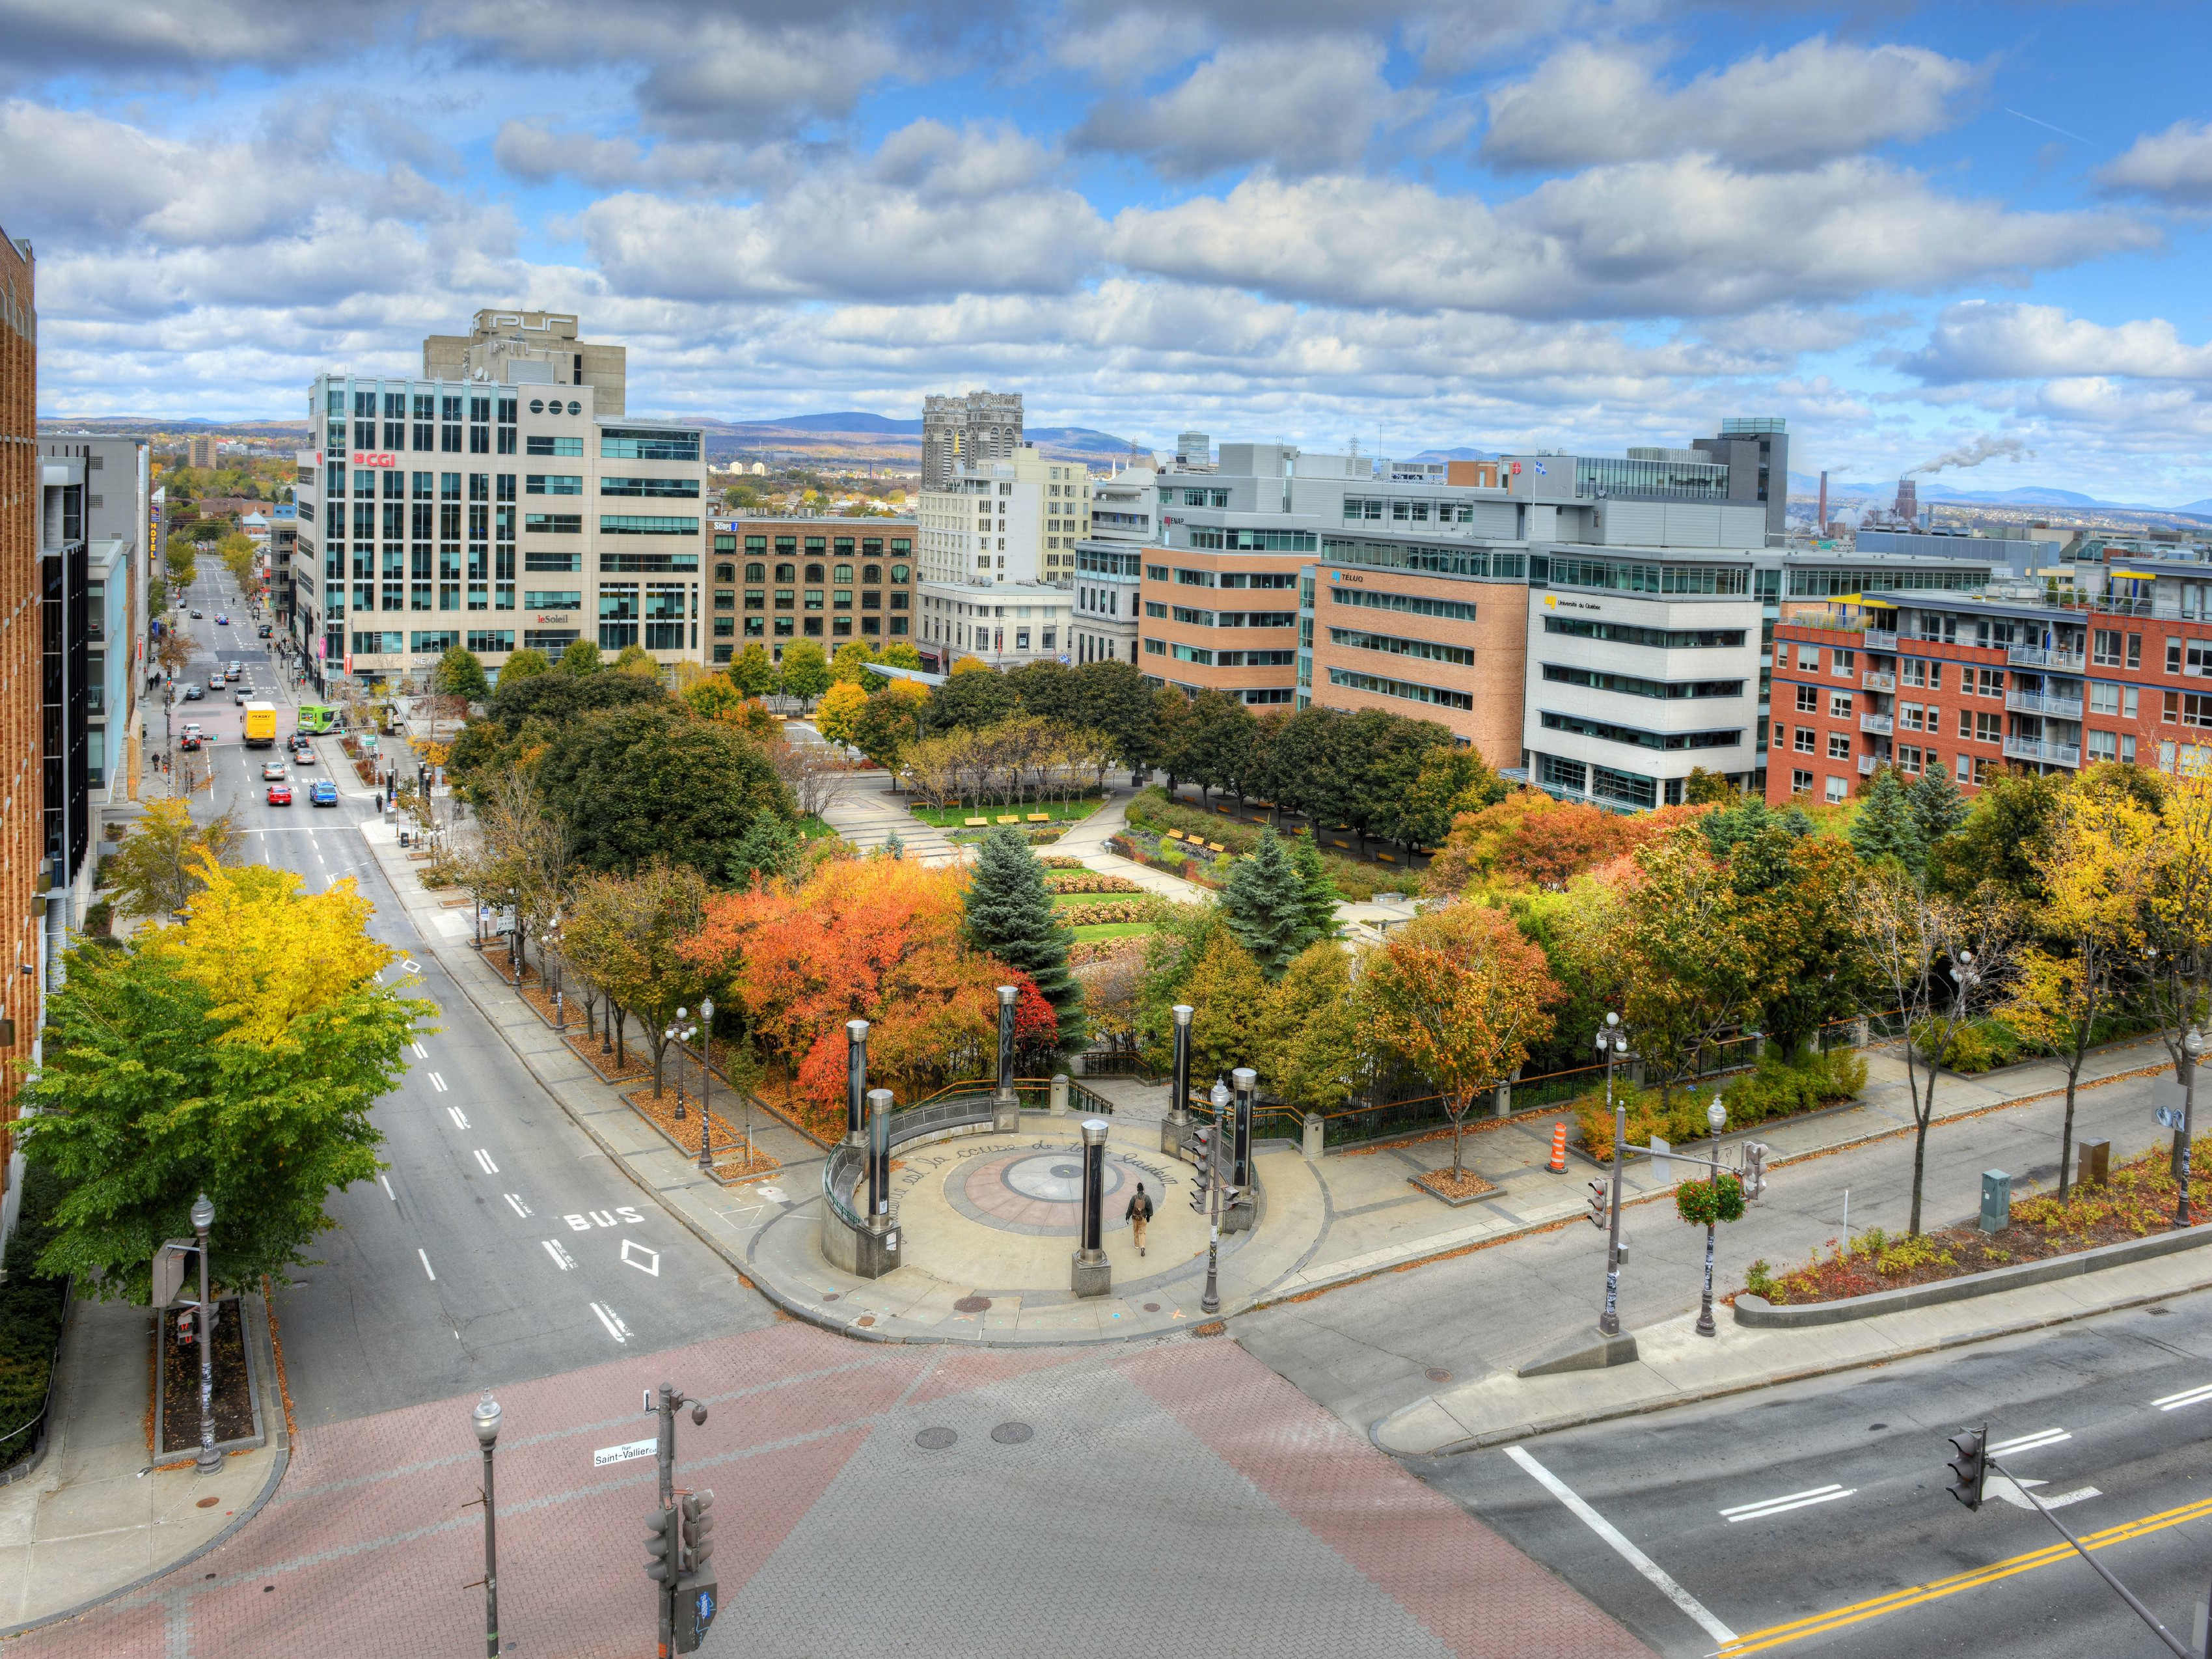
[317,718]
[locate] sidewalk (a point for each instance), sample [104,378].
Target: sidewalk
[1675,1366]
[95,1520]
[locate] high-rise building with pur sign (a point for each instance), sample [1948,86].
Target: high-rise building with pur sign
[23,503]
[498,502]
[973,427]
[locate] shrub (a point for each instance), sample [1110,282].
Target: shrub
[1143,908]
[1758,1280]
[1978,1046]
[30,1311]
[1061,862]
[1774,1088]
[1704,1202]
[1080,880]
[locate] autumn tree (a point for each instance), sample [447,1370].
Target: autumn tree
[1884,827]
[1229,995]
[1458,995]
[890,724]
[1690,970]
[804,672]
[836,717]
[2174,928]
[581,659]
[626,932]
[161,862]
[526,664]
[1935,962]
[460,673]
[752,673]
[1313,1049]
[850,667]
[237,1053]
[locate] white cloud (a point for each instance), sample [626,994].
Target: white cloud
[1296,105]
[1687,237]
[2174,167]
[537,152]
[1983,340]
[980,160]
[1817,100]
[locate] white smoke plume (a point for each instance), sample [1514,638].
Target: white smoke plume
[1984,448]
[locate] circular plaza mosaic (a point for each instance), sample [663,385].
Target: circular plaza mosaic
[1041,1193]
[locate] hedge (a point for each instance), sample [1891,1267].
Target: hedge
[1146,908]
[1089,881]
[30,1313]
[1774,1088]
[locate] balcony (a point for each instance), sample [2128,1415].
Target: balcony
[2038,702]
[2035,656]
[2035,749]
[1881,725]
[1881,639]
[1867,763]
[1879,682]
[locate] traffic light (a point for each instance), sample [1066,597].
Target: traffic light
[662,1544]
[698,1531]
[1754,1168]
[1968,1467]
[1598,1206]
[1201,1180]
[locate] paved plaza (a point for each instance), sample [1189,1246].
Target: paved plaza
[1166,1498]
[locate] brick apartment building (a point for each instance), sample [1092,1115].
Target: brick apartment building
[2115,671]
[827,579]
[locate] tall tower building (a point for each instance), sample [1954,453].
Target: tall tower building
[200,452]
[976,428]
[1908,500]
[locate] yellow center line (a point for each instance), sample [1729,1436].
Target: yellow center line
[1775,1636]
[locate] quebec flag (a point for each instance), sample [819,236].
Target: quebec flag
[1540,468]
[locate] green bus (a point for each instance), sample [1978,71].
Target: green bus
[317,718]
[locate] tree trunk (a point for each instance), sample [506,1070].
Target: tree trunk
[659,1053]
[1459,1118]
[1921,1120]
[622,1031]
[2066,1131]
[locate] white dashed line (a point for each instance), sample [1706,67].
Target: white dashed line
[518,1206]
[459,1117]
[388,1192]
[2028,1442]
[2174,1402]
[615,1328]
[483,1157]
[436,1082]
[562,1259]
[1795,1500]
[421,1053]
[426,1268]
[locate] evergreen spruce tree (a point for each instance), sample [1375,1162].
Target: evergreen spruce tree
[1884,826]
[1938,808]
[1319,900]
[1010,916]
[1264,902]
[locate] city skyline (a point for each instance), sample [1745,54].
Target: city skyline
[1413,226]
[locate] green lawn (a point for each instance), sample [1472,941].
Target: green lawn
[953,818]
[810,828]
[1111,930]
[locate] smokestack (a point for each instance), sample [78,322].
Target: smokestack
[1821,519]
[1908,500]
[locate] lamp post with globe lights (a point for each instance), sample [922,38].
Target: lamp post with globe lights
[682,1032]
[485,1420]
[206,1463]
[1211,1302]
[1716,1116]
[706,1099]
[1613,1044]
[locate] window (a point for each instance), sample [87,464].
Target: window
[1154,608]
[549,524]
[2104,699]
[672,488]
[1839,705]
[2189,708]
[1837,789]
[553,483]
[2105,648]
[1839,746]
[2134,651]
[1808,699]
[1804,742]
[1153,573]
[1844,662]
[1155,647]
[1909,716]
[535,445]
[1595,679]
[646,524]
[1606,730]
[2127,748]
[1990,684]
[2103,745]
[553,598]
[1989,728]
[618,443]
[1808,656]
[1406,690]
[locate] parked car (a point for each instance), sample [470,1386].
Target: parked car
[324,792]
[280,794]
[273,771]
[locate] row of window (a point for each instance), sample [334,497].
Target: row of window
[1412,605]
[1635,685]
[1661,639]
[871,574]
[1608,732]
[1426,650]
[785,627]
[1631,576]
[610,524]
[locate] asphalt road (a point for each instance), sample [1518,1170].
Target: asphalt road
[499,1245]
[1817,1518]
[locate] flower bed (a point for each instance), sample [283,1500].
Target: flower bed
[1089,953]
[1773,1089]
[728,1144]
[1089,881]
[1090,915]
[1453,1189]
[2137,1201]
[1061,862]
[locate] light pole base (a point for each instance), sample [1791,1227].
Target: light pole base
[1175,1129]
[1088,1278]
[1006,1113]
[1588,1351]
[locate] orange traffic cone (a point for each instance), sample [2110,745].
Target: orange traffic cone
[1558,1163]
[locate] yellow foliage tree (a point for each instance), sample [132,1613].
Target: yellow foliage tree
[839,711]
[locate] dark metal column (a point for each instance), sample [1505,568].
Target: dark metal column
[1089,1273]
[1005,1104]
[856,1081]
[1174,1128]
[880,1158]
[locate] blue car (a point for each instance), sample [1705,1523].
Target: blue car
[324,793]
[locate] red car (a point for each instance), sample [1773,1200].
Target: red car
[280,794]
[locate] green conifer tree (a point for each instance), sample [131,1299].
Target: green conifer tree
[1264,902]
[1010,916]
[1884,827]
[1938,808]
[1320,891]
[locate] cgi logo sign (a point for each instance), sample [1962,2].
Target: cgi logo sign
[371,458]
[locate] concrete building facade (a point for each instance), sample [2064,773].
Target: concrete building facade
[1109,564]
[774,581]
[1007,624]
[1013,519]
[968,429]
[531,347]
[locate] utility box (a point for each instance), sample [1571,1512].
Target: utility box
[1997,1200]
[2092,1162]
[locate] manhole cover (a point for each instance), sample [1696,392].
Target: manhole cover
[1437,1374]
[1151,1307]
[207,1502]
[1874,1427]
[830,1296]
[972,1305]
[1012,1434]
[866,1319]
[1067,1171]
[935,1439]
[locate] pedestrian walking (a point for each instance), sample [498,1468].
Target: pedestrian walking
[1139,1215]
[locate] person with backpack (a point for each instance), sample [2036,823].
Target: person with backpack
[1138,1214]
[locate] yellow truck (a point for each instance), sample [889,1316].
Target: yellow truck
[260,725]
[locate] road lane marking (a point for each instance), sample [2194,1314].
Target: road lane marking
[615,1328]
[519,1207]
[646,1259]
[421,1053]
[483,1158]
[1627,1551]
[2029,1443]
[562,1259]
[1793,1500]
[436,1082]
[1820,1623]
[388,1192]
[427,1267]
[2174,1402]
[460,1118]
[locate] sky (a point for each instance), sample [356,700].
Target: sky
[1972,233]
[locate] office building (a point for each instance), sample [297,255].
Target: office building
[1013,519]
[967,428]
[1005,623]
[22,793]
[200,452]
[107,622]
[1110,563]
[501,510]
[774,581]
[1755,449]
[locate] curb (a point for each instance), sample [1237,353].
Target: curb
[1724,1390]
[279,1432]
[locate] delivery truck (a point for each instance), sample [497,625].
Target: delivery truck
[260,725]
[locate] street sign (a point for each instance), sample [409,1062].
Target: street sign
[2169,1117]
[174,1265]
[623,1454]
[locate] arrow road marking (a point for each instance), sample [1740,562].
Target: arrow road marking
[562,1259]
[2006,1489]
[483,1157]
[460,1118]
[615,1328]
[1795,1500]
[2174,1402]
[1635,1558]
[646,1261]
[518,1206]
[2029,1443]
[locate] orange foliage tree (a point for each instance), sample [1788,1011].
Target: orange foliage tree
[1532,840]
[877,939]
